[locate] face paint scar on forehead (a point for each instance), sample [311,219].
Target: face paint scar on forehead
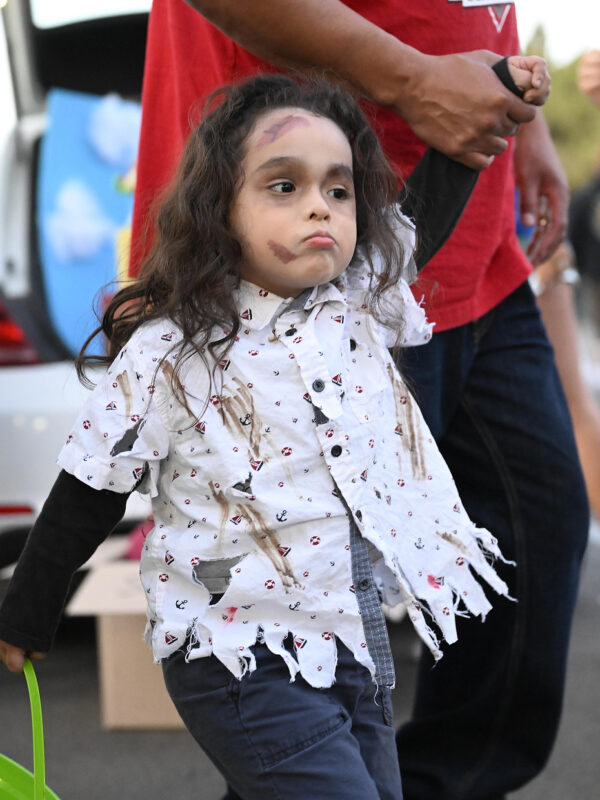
[282,126]
[281,252]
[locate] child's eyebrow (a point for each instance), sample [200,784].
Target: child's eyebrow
[291,162]
[340,171]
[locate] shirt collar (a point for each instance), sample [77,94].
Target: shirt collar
[257,307]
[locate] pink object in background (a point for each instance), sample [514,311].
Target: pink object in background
[136,538]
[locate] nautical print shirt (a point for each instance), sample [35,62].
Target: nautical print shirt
[247,489]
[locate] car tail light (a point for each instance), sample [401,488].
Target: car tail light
[14,347]
[16,510]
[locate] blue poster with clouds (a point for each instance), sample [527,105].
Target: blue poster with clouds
[86,179]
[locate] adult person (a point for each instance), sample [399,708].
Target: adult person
[553,283]
[584,212]
[588,75]
[584,234]
[485,718]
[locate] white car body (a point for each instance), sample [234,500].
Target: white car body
[38,404]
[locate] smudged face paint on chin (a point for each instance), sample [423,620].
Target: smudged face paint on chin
[295,212]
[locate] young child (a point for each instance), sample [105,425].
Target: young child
[294,483]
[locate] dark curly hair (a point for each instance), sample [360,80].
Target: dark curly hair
[194,263]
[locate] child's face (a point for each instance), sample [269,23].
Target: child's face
[295,213]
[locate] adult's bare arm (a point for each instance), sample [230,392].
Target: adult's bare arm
[454,102]
[543,188]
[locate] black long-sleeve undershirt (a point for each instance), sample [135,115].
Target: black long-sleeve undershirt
[73,522]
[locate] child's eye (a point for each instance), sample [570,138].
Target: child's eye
[340,193]
[282,187]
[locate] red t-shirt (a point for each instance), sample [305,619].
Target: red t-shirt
[187,58]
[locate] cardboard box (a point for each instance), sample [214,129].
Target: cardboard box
[132,691]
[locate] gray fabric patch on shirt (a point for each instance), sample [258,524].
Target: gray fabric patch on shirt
[125,444]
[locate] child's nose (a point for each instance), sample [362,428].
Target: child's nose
[318,207]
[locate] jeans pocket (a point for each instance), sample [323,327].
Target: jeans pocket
[193,685]
[282,718]
[297,741]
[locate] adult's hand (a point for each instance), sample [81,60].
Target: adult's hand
[470,124]
[543,188]
[454,103]
[14,657]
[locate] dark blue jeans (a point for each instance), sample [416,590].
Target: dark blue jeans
[276,740]
[485,718]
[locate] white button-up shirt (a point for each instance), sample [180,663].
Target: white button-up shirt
[246,487]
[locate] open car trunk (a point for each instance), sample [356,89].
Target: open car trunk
[96,56]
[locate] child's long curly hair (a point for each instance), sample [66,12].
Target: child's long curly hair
[194,263]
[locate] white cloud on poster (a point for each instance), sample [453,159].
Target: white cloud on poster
[77,228]
[113,131]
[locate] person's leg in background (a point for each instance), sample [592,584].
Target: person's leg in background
[485,718]
[556,302]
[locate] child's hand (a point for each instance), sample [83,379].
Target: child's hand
[531,76]
[14,657]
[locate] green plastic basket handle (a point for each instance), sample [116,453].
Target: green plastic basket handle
[39,765]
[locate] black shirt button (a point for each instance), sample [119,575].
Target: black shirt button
[290,331]
[358,515]
[318,385]
[352,344]
[336,450]
[364,584]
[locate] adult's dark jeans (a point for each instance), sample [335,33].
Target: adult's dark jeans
[485,718]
